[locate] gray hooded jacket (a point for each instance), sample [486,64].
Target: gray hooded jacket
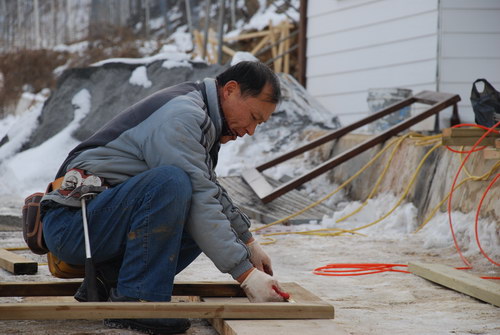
[179,126]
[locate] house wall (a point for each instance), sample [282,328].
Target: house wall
[438,45]
[355,45]
[469,48]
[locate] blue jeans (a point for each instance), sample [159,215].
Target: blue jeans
[141,220]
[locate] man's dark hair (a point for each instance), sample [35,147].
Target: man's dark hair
[252,77]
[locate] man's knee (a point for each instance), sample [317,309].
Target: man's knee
[178,179]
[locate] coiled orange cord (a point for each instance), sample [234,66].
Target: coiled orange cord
[469,152]
[357,269]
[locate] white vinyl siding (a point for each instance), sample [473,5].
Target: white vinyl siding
[370,44]
[470,48]
[438,45]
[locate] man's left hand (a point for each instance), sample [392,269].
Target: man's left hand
[259,258]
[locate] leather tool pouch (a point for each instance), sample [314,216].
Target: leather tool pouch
[32,224]
[33,236]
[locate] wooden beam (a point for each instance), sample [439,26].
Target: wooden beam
[104,310]
[17,264]
[69,287]
[235,308]
[277,327]
[247,36]
[458,280]
[468,137]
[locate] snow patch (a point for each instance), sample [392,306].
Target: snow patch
[139,77]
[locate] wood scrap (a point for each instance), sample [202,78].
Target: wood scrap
[17,264]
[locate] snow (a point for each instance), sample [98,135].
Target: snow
[21,174]
[242,56]
[140,77]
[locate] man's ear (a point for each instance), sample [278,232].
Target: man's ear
[231,87]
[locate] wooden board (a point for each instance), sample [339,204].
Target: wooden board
[69,287]
[278,327]
[257,182]
[467,137]
[458,280]
[17,264]
[237,308]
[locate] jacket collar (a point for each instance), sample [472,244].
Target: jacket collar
[214,110]
[214,107]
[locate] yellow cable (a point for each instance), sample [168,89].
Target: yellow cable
[379,180]
[412,181]
[16,248]
[331,193]
[420,140]
[319,232]
[474,178]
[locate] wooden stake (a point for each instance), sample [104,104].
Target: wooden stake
[199,42]
[274,50]
[281,47]
[286,65]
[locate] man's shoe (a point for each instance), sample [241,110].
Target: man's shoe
[81,294]
[106,278]
[149,326]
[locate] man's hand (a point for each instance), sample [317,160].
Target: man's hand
[258,287]
[259,258]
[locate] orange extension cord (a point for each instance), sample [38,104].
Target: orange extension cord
[360,269]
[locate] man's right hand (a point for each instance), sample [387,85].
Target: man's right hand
[258,287]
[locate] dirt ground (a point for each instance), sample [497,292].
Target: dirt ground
[386,303]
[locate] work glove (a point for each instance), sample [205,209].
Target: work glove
[259,258]
[258,287]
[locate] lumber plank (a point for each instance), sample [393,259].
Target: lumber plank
[257,182]
[104,310]
[468,137]
[276,327]
[17,264]
[467,141]
[69,287]
[467,132]
[457,280]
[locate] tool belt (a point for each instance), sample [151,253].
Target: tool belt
[64,191]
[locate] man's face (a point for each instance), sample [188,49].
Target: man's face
[244,113]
